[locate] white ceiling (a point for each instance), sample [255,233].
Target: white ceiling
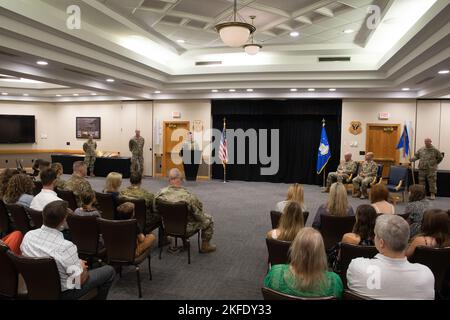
[136,42]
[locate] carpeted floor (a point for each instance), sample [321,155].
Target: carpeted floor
[236,271]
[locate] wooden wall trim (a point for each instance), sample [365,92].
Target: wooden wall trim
[34,151]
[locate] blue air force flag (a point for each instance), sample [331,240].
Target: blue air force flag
[324,153]
[404,141]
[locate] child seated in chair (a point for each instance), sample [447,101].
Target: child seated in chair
[87,209]
[125,212]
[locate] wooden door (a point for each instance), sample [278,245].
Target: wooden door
[176,130]
[382,140]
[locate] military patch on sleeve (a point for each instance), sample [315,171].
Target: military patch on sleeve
[355,127]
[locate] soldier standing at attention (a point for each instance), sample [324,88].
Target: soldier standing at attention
[197,219]
[136,146]
[90,148]
[429,157]
[77,182]
[365,177]
[345,169]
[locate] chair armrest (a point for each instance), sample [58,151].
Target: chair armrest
[399,185]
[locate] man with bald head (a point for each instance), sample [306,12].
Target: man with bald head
[197,219]
[343,172]
[365,177]
[136,146]
[429,157]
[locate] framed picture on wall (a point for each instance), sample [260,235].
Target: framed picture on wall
[86,126]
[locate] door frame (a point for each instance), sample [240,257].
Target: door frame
[164,170]
[398,126]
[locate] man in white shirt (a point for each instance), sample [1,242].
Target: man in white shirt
[47,194]
[389,275]
[48,241]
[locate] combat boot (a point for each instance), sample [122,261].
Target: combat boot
[207,247]
[364,195]
[432,196]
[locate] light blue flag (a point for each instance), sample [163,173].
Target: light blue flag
[324,153]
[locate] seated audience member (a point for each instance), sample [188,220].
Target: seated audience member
[87,209]
[49,241]
[125,212]
[60,183]
[295,193]
[307,274]
[135,191]
[291,222]
[416,207]
[43,165]
[19,190]
[365,176]
[363,230]
[435,231]
[5,176]
[47,194]
[77,182]
[112,184]
[35,168]
[345,169]
[337,204]
[389,275]
[197,219]
[379,196]
[13,241]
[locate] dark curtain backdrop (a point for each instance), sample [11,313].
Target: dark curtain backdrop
[299,123]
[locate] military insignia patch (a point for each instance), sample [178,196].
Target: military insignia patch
[355,127]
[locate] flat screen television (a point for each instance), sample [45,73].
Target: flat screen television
[17,129]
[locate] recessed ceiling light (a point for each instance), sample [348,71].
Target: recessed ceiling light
[42,63]
[232,90]
[4,93]
[294,34]
[214,90]
[311,89]
[110,80]
[58,95]
[444,71]
[405,89]
[75,94]
[181,41]
[157,91]
[294,90]
[25,94]
[93,94]
[249,90]
[348,31]
[332,89]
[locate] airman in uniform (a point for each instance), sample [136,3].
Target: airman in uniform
[343,172]
[429,157]
[90,148]
[197,219]
[365,177]
[77,182]
[136,146]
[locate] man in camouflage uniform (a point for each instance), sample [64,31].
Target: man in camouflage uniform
[136,192]
[136,146]
[429,157]
[90,148]
[344,170]
[77,182]
[365,177]
[197,219]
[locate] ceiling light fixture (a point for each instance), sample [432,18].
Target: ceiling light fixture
[75,94]
[58,95]
[214,90]
[348,31]
[157,91]
[25,94]
[249,90]
[332,89]
[232,90]
[444,71]
[4,93]
[93,94]
[294,34]
[181,41]
[110,80]
[405,89]
[311,89]
[42,63]
[235,33]
[252,48]
[294,90]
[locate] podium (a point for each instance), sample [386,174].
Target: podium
[191,161]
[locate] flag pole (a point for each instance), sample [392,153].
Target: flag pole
[224,164]
[324,169]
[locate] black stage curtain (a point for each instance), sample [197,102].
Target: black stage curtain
[299,123]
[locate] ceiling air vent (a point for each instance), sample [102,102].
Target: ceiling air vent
[333,59]
[207,63]
[425,80]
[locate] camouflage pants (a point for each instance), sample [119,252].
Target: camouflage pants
[137,164]
[89,161]
[207,227]
[431,176]
[361,183]
[334,176]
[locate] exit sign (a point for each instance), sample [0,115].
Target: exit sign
[383,116]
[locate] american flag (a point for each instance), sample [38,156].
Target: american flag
[223,149]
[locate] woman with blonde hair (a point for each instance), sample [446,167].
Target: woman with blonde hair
[337,204]
[307,274]
[291,222]
[112,184]
[295,193]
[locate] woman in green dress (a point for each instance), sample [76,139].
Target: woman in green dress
[307,275]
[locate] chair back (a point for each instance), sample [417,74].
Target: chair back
[8,274]
[276,215]
[36,217]
[269,294]
[37,187]
[4,219]
[174,217]
[19,217]
[120,239]
[106,205]
[69,197]
[333,228]
[41,276]
[380,170]
[140,210]
[438,260]
[397,174]
[348,252]
[278,251]
[85,233]
[352,295]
